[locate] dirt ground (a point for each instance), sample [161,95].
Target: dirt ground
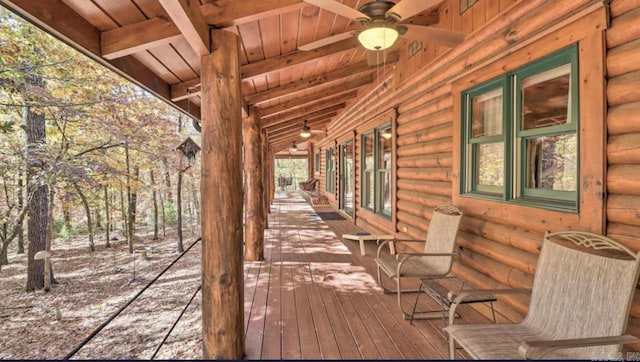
[93,286]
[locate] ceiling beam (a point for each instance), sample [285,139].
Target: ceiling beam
[188,18]
[185,90]
[305,84]
[301,111]
[305,101]
[301,115]
[286,61]
[226,13]
[137,37]
[316,123]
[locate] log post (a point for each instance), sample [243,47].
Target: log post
[254,190]
[266,199]
[222,198]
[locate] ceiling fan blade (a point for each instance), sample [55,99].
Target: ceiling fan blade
[339,8]
[408,8]
[326,41]
[433,35]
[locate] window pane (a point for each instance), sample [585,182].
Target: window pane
[384,160]
[545,98]
[552,162]
[368,190]
[368,151]
[489,164]
[385,178]
[486,114]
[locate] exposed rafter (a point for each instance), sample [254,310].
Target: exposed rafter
[137,37]
[188,18]
[312,113]
[225,13]
[307,100]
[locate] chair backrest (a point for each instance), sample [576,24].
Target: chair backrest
[583,287]
[441,236]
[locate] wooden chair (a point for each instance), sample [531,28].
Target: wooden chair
[580,301]
[434,261]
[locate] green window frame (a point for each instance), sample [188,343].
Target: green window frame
[520,135]
[317,162]
[330,171]
[377,158]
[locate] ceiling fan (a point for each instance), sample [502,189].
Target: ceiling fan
[306,131]
[382,23]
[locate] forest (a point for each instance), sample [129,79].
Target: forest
[88,163]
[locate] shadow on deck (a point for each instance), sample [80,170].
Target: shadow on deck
[315,296]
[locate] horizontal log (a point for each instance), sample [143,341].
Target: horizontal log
[427,134]
[619,7]
[373,221]
[625,234]
[618,118]
[430,187]
[624,28]
[429,174]
[624,148]
[635,305]
[423,199]
[432,106]
[623,59]
[623,179]
[507,255]
[633,328]
[410,125]
[433,160]
[502,273]
[436,146]
[624,88]
[519,303]
[416,209]
[503,234]
[417,222]
[624,209]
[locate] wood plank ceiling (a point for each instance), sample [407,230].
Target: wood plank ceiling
[158,43]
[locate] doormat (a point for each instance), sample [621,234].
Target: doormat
[319,200]
[327,216]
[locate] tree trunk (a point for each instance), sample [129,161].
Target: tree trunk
[196,198]
[155,206]
[179,211]
[98,218]
[4,259]
[129,202]
[107,215]
[20,206]
[123,215]
[35,132]
[66,214]
[167,179]
[164,230]
[52,195]
[87,211]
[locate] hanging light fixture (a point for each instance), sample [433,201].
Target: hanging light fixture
[294,147]
[378,38]
[305,132]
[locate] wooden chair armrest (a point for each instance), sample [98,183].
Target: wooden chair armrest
[538,349]
[406,256]
[458,297]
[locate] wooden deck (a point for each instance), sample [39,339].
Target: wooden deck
[315,297]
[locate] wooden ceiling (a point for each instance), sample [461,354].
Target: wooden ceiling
[158,44]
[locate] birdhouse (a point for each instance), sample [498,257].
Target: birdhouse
[189,149]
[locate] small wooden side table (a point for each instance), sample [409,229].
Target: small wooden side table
[364,236]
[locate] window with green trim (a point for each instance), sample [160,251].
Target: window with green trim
[520,141]
[317,162]
[331,171]
[376,170]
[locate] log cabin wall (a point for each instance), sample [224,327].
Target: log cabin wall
[623,124]
[499,246]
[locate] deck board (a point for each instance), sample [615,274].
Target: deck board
[315,296]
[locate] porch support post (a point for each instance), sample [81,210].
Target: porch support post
[222,196]
[266,200]
[254,188]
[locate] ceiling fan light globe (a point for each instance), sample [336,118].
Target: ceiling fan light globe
[305,134]
[378,38]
